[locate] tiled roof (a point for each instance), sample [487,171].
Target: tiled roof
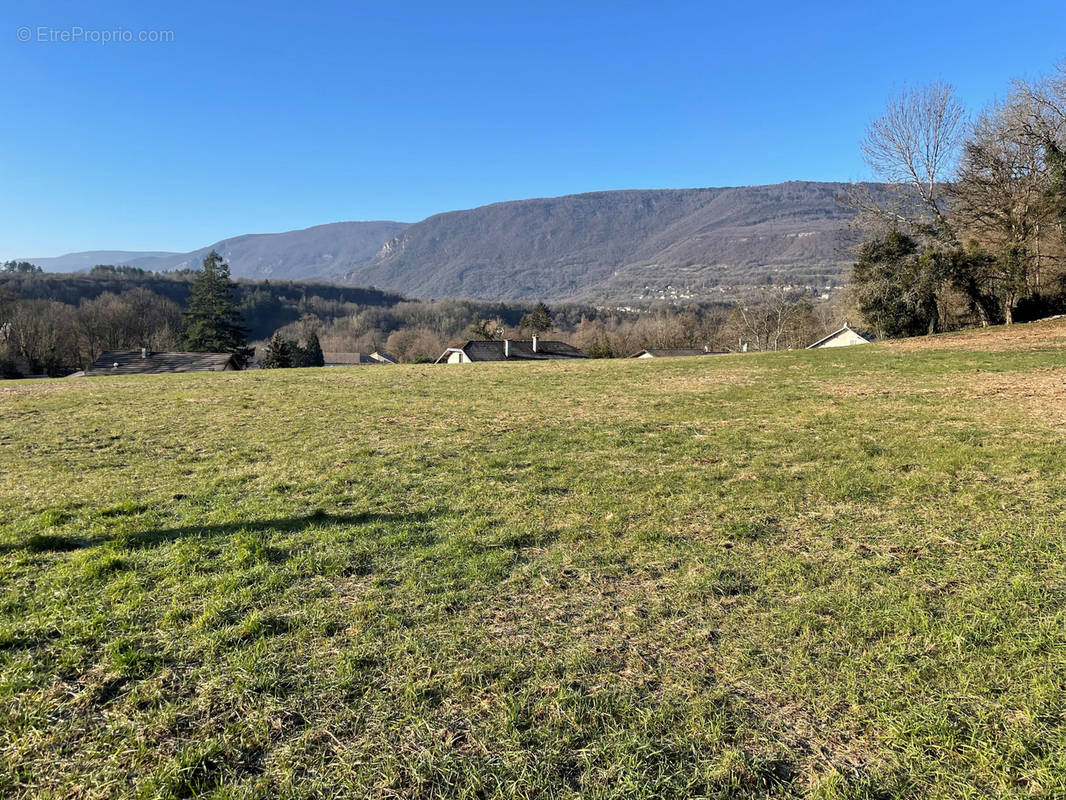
[343,359]
[133,362]
[520,349]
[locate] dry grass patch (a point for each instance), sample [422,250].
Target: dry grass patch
[1020,337]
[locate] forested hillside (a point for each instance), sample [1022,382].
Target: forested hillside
[617,246]
[624,246]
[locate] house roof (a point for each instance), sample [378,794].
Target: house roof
[342,359]
[671,352]
[383,357]
[520,350]
[132,362]
[869,337]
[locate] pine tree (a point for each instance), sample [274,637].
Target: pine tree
[539,320]
[312,352]
[212,321]
[280,353]
[600,347]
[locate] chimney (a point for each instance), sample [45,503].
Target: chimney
[506,348]
[534,343]
[144,352]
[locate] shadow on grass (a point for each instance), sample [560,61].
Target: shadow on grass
[50,543]
[158,536]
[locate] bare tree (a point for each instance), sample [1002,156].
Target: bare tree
[415,344]
[1042,105]
[774,320]
[43,333]
[1003,197]
[915,143]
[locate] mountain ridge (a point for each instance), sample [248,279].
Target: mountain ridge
[318,252]
[614,245]
[622,245]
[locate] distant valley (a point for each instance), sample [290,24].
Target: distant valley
[617,246]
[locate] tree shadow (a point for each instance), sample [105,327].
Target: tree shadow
[153,537]
[157,536]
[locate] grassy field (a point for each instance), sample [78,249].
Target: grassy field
[826,574]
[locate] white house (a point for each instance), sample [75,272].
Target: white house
[845,337]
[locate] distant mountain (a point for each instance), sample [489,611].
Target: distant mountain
[615,246]
[621,245]
[319,252]
[77,262]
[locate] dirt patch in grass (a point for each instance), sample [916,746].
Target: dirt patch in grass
[709,380]
[27,388]
[1040,393]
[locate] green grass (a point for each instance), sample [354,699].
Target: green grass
[826,574]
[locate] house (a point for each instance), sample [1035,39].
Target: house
[845,337]
[144,361]
[533,349]
[348,359]
[383,357]
[675,352]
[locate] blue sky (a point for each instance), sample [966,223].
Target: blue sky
[273,116]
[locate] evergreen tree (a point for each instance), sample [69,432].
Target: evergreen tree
[212,321]
[20,267]
[600,347]
[312,352]
[539,320]
[897,287]
[280,353]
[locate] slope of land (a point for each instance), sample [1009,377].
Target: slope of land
[623,245]
[1037,335]
[824,573]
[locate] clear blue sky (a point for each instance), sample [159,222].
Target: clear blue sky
[272,116]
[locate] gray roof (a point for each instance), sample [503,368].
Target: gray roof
[344,359]
[520,350]
[668,352]
[133,362]
[383,357]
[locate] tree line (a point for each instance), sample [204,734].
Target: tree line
[419,331]
[972,226]
[44,336]
[270,325]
